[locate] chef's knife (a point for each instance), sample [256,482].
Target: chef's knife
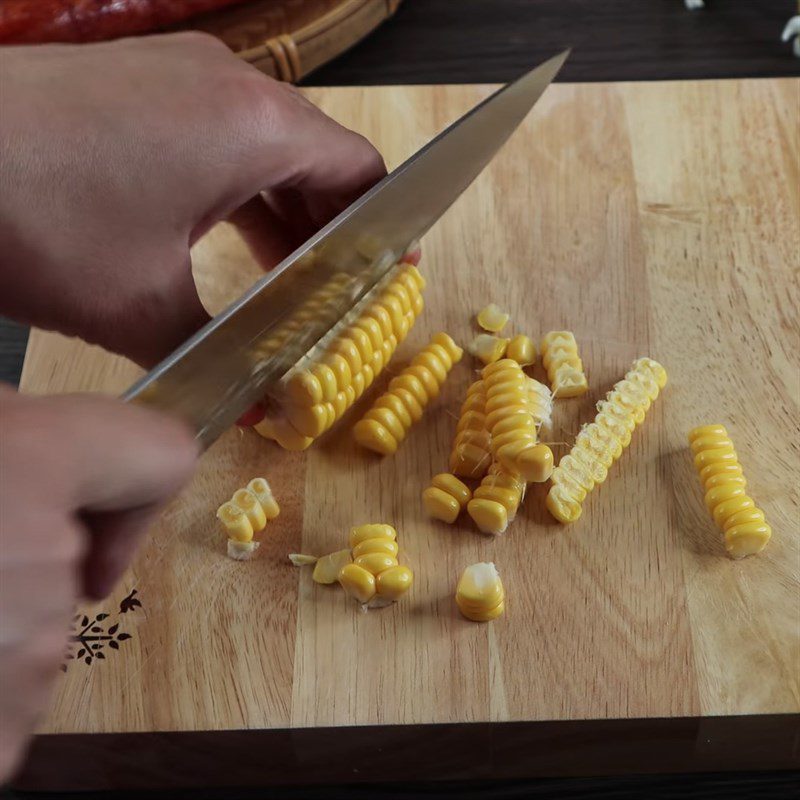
[234,360]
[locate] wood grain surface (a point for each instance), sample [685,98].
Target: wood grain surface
[657,220]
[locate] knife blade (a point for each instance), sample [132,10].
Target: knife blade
[234,360]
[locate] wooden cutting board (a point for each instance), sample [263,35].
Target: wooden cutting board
[655,219]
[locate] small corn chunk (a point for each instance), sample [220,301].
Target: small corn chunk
[600,443]
[376,562]
[564,366]
[263,492]
[487,348]
[241,551]
[358,582]
[302,560]
[492,318]
[511,423]
[386,424]
[374,530]
[495,502]
[480,595]
[744,526]
[470,455]
[326,570]
[394,582]
[522,350]
[235,522]
[379,545]
[446,497]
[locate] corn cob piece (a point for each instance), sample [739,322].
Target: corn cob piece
[471,455]
[522,350]
[325,384]
[487,348]
[495,502]
[601,443]
[386,424]
[375,578]
[564,366]
[735,513]
[446,497]
[480,595]
[245,514]
[510,422]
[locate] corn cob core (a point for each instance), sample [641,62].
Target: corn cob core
[735,513]
[601,443]
[563,364]
[386,424]
[480,595]
[318,392]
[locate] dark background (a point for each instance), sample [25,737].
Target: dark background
[493,41]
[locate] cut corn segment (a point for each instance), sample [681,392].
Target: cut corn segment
[495,502]
[522,350]
[480,595]
[564,366]
[601,442]
[492,318]
[324,385]
[743,525]
[326,570]
[246,514]
[446,497]
[488,348]
[235,522]
[384,426]
[511,423]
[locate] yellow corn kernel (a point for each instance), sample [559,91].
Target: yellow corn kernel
[235,522]
[262,490]
[601,442]
[248,502]
[522,350]
[375,530]
[453,486]
[446,497]
[302,560]
[479,594]
[308,421]
[357,582]
[385,546]
[743,525]
[384,426]
[283,433]
[326,570]
[346,348]
[492,318]
[563,365]
[372,330]
[489,515]
[469,455]
[487,348]
[534,462]
[375,562]
[327,380]
[394,582]
[304,388]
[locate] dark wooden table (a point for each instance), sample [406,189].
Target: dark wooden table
[480,41]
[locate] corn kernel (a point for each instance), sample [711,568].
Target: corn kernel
[248,502]
[564,367]
[357,582]
[375,562]
[522,350]
[489,515]
[261,489]
[302,560]
[385,546]
[377,530]
[492,318]
[283,433]
[487,348]
[326,570]
[446,497]
[394,582]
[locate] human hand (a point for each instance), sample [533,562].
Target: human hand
[117,157]
[81,478]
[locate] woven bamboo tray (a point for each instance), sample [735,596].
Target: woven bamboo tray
[290,38]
